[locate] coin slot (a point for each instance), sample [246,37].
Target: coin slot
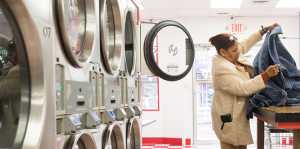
[113,101]
[80,103]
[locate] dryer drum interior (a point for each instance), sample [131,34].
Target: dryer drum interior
[175,48]
[16,32]
[133,134]
[113,138]
[75,21]
[130,49]
[111,35]
[84,140]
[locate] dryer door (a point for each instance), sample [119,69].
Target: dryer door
[133,136]
[19,48]
[169,50]
[111,36]
[75,21]
[130,44]
[113,137]
[83,140]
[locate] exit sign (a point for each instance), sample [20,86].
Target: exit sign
[237,28]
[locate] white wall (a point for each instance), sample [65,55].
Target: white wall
[175,118]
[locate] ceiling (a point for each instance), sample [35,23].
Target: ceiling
[167,9]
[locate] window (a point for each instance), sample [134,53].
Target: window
[150,93]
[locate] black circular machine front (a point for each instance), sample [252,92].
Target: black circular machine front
[175,48]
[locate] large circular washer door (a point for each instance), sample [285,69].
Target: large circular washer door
[113,137]
[130,48]
[83,140]
[75,21]
[18,91]
[111,37]
[133,136]
[175,55]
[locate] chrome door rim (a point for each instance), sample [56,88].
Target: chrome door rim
[113,61]
[28,32]
[132,72]
[85,136]
[133,124]
[89,36]
[118,134]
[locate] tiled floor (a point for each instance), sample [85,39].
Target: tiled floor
[170,146]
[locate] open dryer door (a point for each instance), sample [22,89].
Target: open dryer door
[168,49]
[21,78]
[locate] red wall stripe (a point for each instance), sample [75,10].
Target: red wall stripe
[188,142]
[162,140]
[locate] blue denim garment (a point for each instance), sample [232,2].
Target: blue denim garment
[283,89]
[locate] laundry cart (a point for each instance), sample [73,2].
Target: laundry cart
[278,138]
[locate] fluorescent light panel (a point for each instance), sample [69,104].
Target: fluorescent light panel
[225,3]
[288,3]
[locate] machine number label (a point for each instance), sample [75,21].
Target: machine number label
[47,31]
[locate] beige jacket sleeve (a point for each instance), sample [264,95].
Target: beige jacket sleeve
[249,42]
[228,81]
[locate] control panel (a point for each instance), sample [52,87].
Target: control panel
[113,96]
[108,117]
[72,125]
[90,120]
[59,88]
[79,96]
[120,114]
[130,112]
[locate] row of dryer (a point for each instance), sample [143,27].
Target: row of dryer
[71,69]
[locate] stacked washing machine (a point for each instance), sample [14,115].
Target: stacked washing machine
[70,72]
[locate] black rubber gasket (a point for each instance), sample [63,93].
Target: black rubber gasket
[148,51]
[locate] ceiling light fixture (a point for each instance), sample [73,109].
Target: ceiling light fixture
[288,3]
[225,3]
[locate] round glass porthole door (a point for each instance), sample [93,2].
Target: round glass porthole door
[175,55]
[111,35]
[84,140]
[76,30]
[130,52]
[113,138]
[133,134]
[14,79]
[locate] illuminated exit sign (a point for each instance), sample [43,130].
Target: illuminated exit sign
[237,28]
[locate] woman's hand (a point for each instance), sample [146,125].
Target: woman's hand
[272,26]
[273,70]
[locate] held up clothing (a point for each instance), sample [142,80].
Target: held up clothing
[233,87]
[283,89]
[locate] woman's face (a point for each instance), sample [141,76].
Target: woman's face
[232,54]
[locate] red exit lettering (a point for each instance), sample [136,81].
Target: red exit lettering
[236,28]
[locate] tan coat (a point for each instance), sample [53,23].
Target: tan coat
[233,87]
[10,99]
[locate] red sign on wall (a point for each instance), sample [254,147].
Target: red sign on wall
[237,28]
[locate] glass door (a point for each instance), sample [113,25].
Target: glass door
[203,96]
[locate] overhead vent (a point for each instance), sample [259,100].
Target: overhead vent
[222,13]
[260,3]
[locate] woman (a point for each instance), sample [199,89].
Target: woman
[233,85]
